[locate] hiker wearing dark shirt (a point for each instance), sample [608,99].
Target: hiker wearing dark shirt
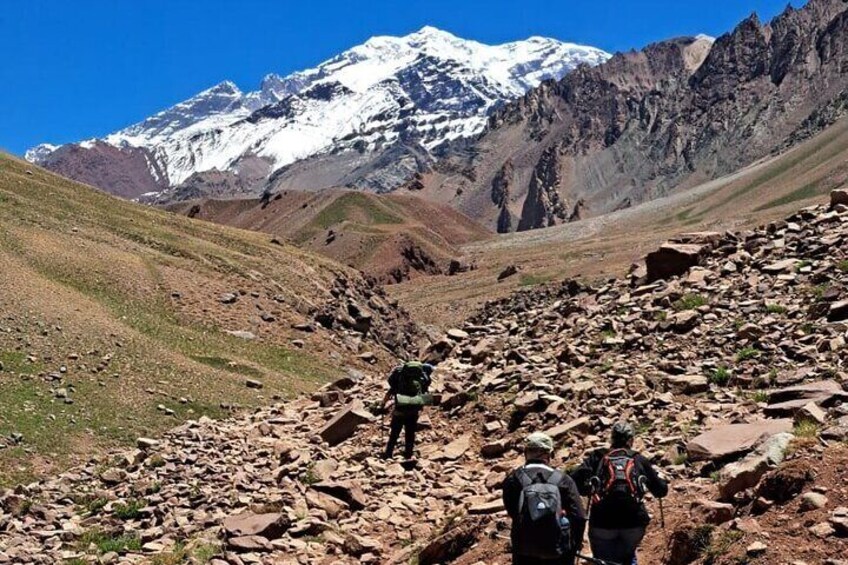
[408,387]
[547,514]
[617,479]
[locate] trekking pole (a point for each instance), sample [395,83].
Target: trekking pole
[662,515]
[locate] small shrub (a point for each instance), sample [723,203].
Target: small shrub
[156,461]
[842,266]
[803,264]
[746,354]
[309,477]
[721,544]
[660,316]
[95,505]
[129,511]
[176,556]
[204,552]
[690,302]
[106,543]
[760,396]
[681,459]
[720,376]
[534,280]
[807,429]
[776,309]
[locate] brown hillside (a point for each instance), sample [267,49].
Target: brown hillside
[390,237]
[118,320]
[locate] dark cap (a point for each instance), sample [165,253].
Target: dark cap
[622,432]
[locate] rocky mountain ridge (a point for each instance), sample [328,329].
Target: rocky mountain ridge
[648,123]
[373,111]
[726,351]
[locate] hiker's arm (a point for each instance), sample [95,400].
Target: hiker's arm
[584,473]
[656,484]
[393,384]
[573,506]
[428,377]
[511,494]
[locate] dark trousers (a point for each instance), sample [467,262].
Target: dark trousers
[403,420]
[521,560]
[616,546]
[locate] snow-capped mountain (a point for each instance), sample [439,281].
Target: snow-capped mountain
[418,92]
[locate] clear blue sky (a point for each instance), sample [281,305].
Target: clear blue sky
[72,70]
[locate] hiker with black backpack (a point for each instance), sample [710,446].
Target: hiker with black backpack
[616,480]
[408,386]
[547,514]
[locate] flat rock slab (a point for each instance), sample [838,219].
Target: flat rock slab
[455,449]
[734,439]
[270,525]
[581,426]
[787,401]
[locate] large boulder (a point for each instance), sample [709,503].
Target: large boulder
[742,475]
[344,424]
[787,481]
[672,260]
[839,196]
[732,440]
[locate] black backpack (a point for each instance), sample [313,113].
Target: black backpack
[540,531]
[412,385]
[618,478]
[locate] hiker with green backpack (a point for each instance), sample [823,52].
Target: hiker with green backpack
[547,514]
[617,480]
[408,386]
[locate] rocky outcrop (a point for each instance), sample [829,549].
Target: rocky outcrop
[127,171]
[544,207]
[640,125]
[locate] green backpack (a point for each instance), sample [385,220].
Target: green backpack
[411,385]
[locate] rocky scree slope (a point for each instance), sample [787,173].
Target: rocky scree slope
[368,118]
[647,123]
[718,366]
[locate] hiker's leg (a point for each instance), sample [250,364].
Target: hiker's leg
[605,544]
[629,542]
[617,546]
[411,428]
[394,434]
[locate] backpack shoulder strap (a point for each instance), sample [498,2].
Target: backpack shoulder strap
[555,478]
[523,477]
